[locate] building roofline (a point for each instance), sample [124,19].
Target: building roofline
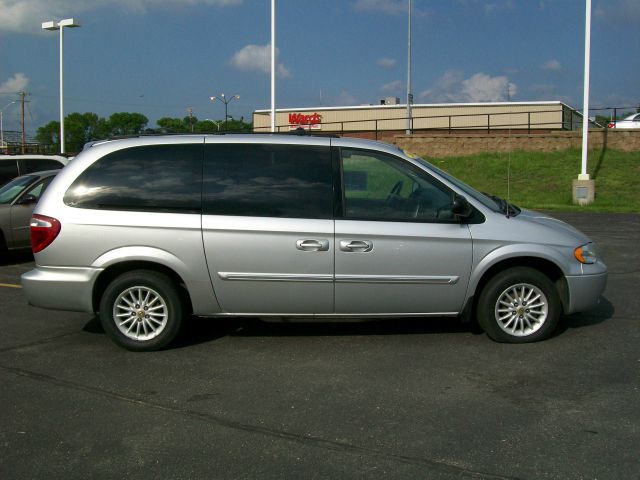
[415,105]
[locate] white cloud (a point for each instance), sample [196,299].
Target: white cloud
[257,58]
[444,90]
[393,87]
[15,84]
[389,7]
[345,98]
[386,62]
[392,7]
[502,5]
[619,11]
[451,87]
[26,16]
[483,88]
[551,66]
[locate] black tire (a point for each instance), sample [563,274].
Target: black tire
[528,302]
[4,250]
[154,307]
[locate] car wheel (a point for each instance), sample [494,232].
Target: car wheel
[141,310]
[519,305]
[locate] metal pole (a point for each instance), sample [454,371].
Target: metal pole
[273,66]
[22,95]
[409,95]
[585,103]
[61,89]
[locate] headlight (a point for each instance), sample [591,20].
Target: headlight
[586,254]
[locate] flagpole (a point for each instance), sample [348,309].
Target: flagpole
[273,66]
[585,102]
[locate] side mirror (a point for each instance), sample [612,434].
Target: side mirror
[461,207]
[27,200]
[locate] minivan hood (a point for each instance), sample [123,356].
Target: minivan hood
[557,226]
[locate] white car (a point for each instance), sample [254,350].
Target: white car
[632,121]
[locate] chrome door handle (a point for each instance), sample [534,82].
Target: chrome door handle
[312,245]
[356,245]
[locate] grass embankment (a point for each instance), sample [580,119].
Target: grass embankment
[542,181]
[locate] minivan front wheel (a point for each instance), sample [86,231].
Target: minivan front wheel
[519,305]
[141,310]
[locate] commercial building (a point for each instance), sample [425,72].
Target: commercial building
[391,118]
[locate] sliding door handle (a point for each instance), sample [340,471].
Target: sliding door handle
[356,245]
[312,245]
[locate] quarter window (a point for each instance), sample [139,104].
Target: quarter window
[383,187]
[268,181]
[164,178]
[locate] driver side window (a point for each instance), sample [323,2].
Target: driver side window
[383,187]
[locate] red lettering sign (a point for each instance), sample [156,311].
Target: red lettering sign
[299,120]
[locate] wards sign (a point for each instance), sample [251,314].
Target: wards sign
[308,122]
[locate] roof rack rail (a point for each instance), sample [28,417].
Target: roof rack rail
[298,131]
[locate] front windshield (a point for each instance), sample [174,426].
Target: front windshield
[490,202]
[11,191]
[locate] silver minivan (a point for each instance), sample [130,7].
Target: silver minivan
[145,231]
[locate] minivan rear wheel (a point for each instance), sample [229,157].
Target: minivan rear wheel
[141,310]
[519,305]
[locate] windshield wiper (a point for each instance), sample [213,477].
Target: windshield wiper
[505,207]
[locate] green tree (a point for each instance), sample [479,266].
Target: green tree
[81,128]
[171,125]
[208,126]
[125,123]
[49,134]
[237,126]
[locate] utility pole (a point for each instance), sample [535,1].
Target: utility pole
[22,102]
[190,110]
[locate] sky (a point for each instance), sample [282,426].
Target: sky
[162,57]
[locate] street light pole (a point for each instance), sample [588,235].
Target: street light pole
[273,66]
[585,100]
[226,102]
[409,94]
[584,187]
[51,25]
[2,124]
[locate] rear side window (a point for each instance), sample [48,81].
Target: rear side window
[287,181]
[31,165]
[165,178]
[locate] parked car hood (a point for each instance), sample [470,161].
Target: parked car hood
[557,226]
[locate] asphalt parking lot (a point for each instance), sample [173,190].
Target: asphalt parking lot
[429,399]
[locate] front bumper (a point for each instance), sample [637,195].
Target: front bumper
[585,291]
[61,288]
